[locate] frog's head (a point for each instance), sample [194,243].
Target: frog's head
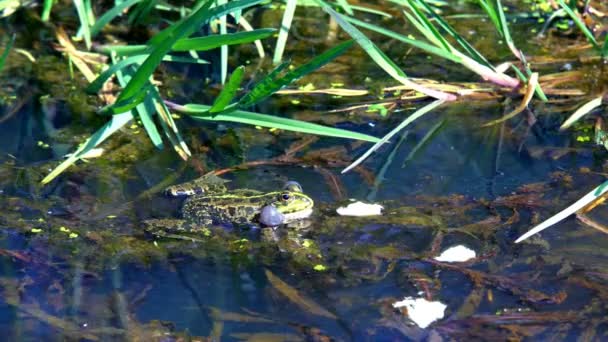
[289,205]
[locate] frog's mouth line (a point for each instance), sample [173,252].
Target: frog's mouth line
[298,215]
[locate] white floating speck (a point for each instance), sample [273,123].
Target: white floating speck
[421,311]
[458,253]
[360,209]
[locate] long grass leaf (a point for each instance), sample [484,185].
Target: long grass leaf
[115,123]
[581,25]
[46,10]
[576,206]
[145,110]
[459,39]
[110,15]
[84,21]
[582,111]
[7,49]
[188,44]
[223,48]
[258,44]
[229,91]
[169,126]
[184,29]
[427,28]
[381,59]
[217,40]
[290,9]
[96,85]
[397,36]
[271,84]
[416,115]
[271,121]
[264,88]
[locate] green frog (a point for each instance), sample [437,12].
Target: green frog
[210,202]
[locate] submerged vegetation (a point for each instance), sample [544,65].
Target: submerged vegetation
[120,99]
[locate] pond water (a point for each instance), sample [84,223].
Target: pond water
[76,263]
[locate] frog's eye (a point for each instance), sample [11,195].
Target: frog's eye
[285,197]
[293,186]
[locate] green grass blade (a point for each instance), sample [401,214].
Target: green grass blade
[184,29]
[145,110]
[229,91]
[271,121]
[46,10]
[416,43]
[582,111]
[290,10]
[263,88]
[424,25]
[6,51]
[417,114]
[491,12]
[581,25]
[189,44]
[576,206]
[271,84]
[381,59]
[348,9]
[84,21]
[371,11]
[459,39]
[223,48]
[95,86]
[110,15]
[217,40]
[115,123]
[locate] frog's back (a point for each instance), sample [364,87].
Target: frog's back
[238,207]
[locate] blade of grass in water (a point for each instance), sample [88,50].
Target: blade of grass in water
[115,123]
[84,21]
[96,85]
[184,29]
[582,111]
[229,91]
[425,27]
[144,111]
[223,48]
[271,83]
[290,9]
[46,10]
[6,51]
[381,59]
[581,25]
[417,114]
[576,206]
[461,41]
[272,121]
[197,43]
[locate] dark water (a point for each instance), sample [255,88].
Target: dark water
[76,264]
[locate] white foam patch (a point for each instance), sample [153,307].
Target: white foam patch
[422,311]
[360,209]
[458,253]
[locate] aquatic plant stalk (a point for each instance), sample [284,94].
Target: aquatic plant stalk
[576,206]
[582,111]
[382,60]
[417,114]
